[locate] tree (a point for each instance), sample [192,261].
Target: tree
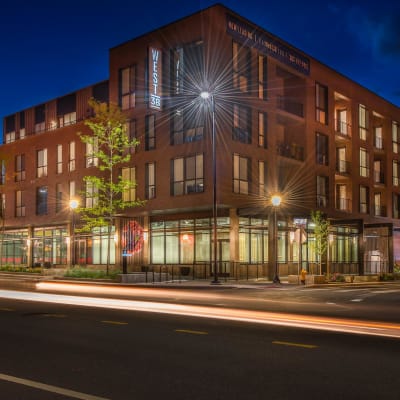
[321,233]
[107,149]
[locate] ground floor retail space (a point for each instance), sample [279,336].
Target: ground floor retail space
[248,244]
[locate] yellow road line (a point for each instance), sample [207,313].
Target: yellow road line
[114,322]
[306,346]
[53,315]
[50,388]
[6,309]
[191,332]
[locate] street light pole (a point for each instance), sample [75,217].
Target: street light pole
[276,202]
[207,95]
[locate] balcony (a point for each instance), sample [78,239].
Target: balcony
[343,167]
[379,177]
[378,143]
[290,106]
[379,211]
[293,151]
[343,204]
[342,128]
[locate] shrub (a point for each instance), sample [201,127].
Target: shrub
[87,273]
[21,268]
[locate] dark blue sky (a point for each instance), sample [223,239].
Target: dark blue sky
[51,48]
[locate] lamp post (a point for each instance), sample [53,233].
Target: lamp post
[206,95]
[73,205]
[276,201]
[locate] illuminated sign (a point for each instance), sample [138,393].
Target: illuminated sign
[267,44]
[155,71]
[132,237]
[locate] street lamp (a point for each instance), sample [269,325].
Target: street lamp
[206,95]
[73,205]
[276,201]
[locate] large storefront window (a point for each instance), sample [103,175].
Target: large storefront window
[253,240]
[185,241]
[100,246]
[14,248]
[49,246]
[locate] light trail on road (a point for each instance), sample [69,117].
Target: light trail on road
[373,328]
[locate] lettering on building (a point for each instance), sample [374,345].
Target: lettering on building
[155,73]
[267,44]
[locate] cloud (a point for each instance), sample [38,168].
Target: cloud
[378,33]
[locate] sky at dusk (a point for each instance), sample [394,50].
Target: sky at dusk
[52,48]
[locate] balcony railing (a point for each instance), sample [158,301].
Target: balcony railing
[379,177]
[343,167]
[342,128]
[378,143]
[290,106]
[379,211]
[292,150]
[343,204]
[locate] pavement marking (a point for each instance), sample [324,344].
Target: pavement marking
[356,300]
[191,332]
[115,322]
[50,388]
[6,309]
[306,346]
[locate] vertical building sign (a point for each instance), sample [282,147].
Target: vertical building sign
[155,73]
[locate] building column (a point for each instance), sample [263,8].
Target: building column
[29,250]
[272,248]
[118,247]
[234,240]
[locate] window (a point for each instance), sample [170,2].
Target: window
[241,65]
[40,118]
[342,165]
[378,172]
[241,174]
[20,168]
[322,191]
[91,195]
[66,110]
[71,160]
[379,210]
[3,205]
[342,202]
[186,128]
[395,137]
[59,159]
[378,137]
[364,163]
[3,172]
[262,77]
[41,200]
[187,175]
[72,190]
[396,205]
[322,149]
[41,163]
[396,172]
[59,199]
[129,175]
[19,204]
[150,132]
[364,199]
[150,185]
[21,124]
[127,87]
[10,129]
[91,150]
[262,178]
[131,132]
[321,103]
[241,124]
[363,121]
[187,68]
[262,129]
[342,125]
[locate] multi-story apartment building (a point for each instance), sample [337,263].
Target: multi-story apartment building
[283,123]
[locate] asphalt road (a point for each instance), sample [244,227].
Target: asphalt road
[100,353]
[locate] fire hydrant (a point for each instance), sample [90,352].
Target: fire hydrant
[303,274]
